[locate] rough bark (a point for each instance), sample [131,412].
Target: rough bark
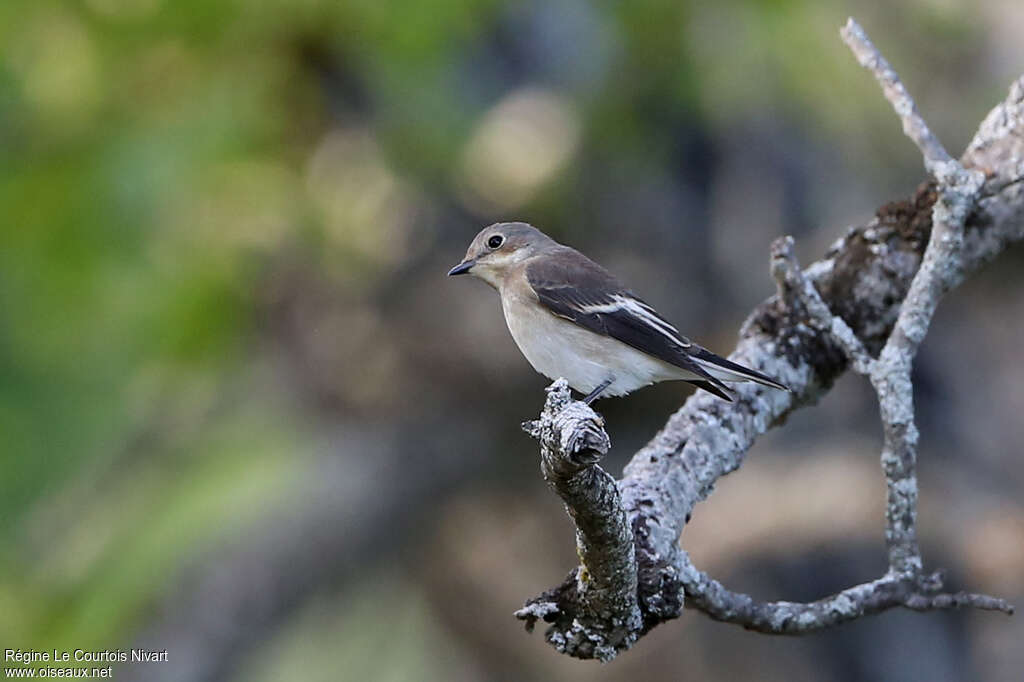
[573,440]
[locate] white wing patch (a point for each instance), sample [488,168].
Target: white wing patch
[626,305]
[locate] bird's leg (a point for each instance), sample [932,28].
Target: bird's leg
[592,396]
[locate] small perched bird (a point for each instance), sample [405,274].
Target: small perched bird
[571,318]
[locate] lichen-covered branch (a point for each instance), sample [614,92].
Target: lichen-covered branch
[940,270]
[890,374]
[873,293]
[914,126]
[601,594]
[797,289]
[920,593]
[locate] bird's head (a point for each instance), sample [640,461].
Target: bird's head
[497,248]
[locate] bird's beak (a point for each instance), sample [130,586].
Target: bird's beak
[462,268]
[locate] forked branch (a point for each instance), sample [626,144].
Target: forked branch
[866,305]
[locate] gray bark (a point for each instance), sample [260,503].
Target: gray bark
[572,440]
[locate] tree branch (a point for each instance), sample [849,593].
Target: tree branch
[602,593]
[874,292]
[791,618]
[914,126]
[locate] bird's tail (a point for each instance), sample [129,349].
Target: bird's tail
[726,370]
[717,389]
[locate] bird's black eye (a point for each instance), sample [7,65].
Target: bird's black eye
[495,241]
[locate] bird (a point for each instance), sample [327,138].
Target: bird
[573,319]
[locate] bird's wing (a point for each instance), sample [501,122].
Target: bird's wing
[575,288]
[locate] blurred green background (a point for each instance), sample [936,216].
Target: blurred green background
[246,418]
